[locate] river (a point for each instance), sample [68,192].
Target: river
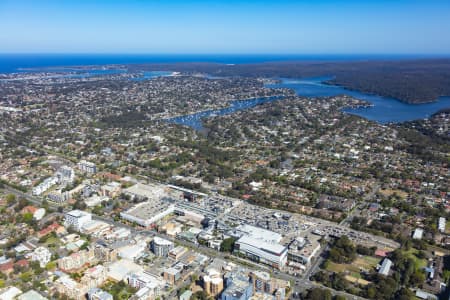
[384,109]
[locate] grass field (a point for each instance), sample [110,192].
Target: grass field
[52,240]
[357,280]
[400,193]
[419,263]
[361,264]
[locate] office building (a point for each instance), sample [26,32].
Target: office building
[76,219]
[238,286]
[161,247]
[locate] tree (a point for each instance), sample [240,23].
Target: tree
[446,275]
[343,251]
[22,203]
[27,218]
[200,295]
[51,266]
[417,278]
[371,292]
[318,294]
[10,199]
[36,267]
[404,294]
[365,250]
[339,282]
[227,245]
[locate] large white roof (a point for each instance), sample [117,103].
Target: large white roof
[274,248]
[146,190]
[161,241]
[259,233]
[119,269]
[10,293]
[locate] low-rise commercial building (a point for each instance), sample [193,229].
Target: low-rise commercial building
[173,274]
[303,250]
[148,213]
[177,252]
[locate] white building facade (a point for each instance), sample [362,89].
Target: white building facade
[76,219]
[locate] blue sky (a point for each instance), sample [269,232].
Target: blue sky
[282,27]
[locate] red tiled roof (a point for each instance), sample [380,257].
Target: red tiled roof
[29,209]
[22,263]
[380,253]
[50,228]
[7,266]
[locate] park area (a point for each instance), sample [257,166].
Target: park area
[352,271]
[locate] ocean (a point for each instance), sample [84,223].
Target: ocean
[10,63]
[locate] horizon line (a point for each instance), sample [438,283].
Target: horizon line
[225,53]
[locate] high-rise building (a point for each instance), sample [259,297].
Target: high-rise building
[213,283]
[238,286]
